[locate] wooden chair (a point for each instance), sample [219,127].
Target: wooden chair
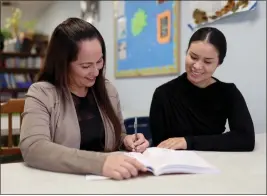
[9,108]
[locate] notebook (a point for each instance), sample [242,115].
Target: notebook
[161,161]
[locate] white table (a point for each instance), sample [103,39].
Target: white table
[241,173]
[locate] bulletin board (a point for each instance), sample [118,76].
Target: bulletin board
[147,38]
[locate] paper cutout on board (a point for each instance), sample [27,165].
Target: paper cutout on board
[122,28]
[120,8]
[138,22]
[122,50]
[204,12]
[164,27]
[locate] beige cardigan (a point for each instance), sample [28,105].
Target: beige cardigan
[50,138]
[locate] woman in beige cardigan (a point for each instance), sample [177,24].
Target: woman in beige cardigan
[72,120]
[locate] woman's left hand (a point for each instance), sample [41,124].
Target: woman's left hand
[134,144]
[175,143]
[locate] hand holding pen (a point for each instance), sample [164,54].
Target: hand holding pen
[136,142]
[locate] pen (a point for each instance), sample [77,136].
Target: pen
[135,128]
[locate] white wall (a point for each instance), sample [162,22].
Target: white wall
[30,10]
[245,63]
[55,14]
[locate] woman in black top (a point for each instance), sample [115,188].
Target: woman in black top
[190,112]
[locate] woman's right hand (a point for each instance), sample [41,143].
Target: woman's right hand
[119,167]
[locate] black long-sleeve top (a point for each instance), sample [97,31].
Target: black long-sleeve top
[90,121]
[181,109]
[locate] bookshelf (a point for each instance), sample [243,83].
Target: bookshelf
[17,73]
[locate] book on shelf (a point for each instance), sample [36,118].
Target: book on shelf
[17,72]
[160,161]
[19,62]
[14,81]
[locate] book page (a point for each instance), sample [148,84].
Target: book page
[142,159]
[153,158]
[166,159]
[158,157]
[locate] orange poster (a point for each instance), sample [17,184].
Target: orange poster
[164,27]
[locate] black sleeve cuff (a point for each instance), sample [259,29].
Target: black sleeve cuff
[190,142]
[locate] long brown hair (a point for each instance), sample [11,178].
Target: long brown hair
[62,50]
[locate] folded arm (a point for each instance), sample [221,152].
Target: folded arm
[241,136]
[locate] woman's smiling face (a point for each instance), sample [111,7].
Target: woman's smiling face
[201,61]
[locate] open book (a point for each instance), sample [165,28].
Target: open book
[165,161]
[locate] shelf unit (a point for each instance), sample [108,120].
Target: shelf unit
[14,65]
[19,70]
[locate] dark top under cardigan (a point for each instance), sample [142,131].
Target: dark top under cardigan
[181,109]
[90,121]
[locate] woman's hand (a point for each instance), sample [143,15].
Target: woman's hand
[120,166]
[175,143]
[138,144]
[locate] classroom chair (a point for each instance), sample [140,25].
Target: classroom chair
[142,127]
[10,107]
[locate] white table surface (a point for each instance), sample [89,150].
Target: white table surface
[241,173]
